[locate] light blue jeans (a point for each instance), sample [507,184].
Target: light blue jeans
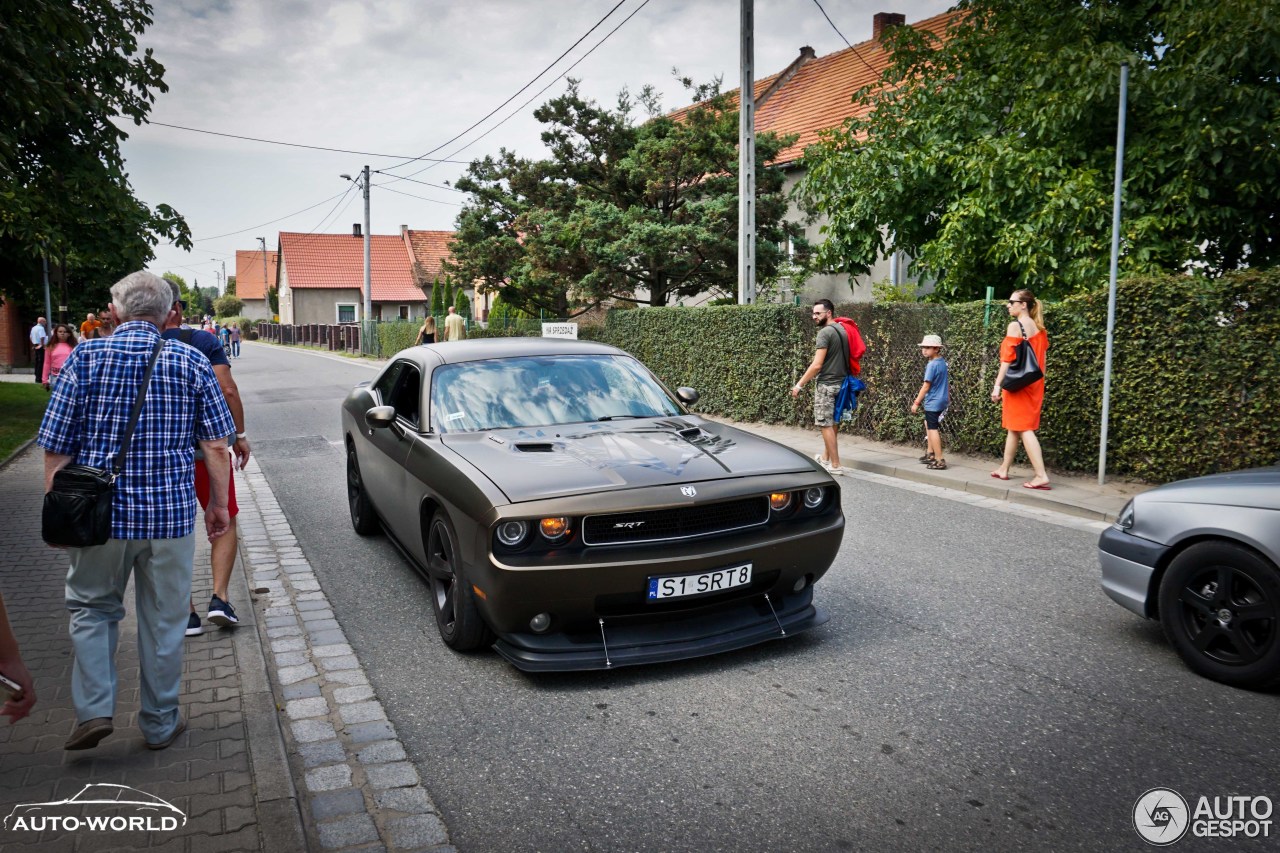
[95,596]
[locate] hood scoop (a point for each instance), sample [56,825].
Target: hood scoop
[534,447]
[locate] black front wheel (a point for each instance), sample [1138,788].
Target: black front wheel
[1220,608]
[461,626]
[363,518]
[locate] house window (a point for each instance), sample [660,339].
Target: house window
[404,312]
[346,312]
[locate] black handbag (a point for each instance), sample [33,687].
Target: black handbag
[1025,368]
[77,509]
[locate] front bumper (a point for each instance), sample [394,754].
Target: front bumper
[630,642]
[1128,564]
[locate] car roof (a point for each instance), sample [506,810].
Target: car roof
[480,349]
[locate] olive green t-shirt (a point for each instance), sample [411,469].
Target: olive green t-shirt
[835,367]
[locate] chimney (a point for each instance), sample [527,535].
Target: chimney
[883,20]
[355,229]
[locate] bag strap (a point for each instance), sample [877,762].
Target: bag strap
[118,466]
[1022,328]
[843,335]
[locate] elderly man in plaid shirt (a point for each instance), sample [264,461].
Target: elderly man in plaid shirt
[153,510]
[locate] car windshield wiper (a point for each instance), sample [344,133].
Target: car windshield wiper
[622,417]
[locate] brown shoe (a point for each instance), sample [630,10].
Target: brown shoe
[89,733]
[168,742]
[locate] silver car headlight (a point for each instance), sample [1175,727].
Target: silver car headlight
[1125,519]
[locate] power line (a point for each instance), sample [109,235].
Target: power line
[411,195]
[843,39]
[271,222]
[424,183]
[536,95]
[517,93]
[296,144]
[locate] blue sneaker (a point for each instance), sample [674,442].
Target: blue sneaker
[222,614]
[193,625]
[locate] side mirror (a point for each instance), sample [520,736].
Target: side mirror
[380,417]
[687,395]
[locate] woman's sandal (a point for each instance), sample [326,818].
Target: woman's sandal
[937,465]
[926,459]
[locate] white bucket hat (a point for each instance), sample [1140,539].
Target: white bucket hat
[931,341]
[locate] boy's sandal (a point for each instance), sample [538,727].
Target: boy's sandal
[937,465]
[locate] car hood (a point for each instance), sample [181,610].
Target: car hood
[546,462]
[1256,487]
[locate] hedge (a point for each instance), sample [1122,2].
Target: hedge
[1194,386]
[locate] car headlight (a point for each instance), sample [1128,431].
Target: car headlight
[813,497]
[1125,519]
[512,533]
[778,501]
[554,529]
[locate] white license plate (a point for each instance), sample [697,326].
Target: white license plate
[681,586]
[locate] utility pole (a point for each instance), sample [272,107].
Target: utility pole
[747,159]
[368,294]
[266,284]
[1117,195]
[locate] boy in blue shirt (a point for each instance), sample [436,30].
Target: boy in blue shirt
[934,396]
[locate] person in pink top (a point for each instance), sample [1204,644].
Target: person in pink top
[60,346]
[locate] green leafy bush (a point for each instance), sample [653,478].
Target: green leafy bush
[396,335]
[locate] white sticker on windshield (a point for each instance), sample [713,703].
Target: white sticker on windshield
[456,416]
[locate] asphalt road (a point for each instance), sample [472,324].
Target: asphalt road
[974,689]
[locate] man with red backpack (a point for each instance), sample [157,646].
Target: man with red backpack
[833,360]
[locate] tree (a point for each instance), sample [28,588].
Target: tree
[621,210]
[462,303]
[66,71]
[231,285]
[437,298]
[448,292]
[989,157]
[273,300]
[227,305]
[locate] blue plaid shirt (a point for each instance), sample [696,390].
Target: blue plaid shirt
[155,496]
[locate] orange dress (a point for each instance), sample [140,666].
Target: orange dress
[1021,409]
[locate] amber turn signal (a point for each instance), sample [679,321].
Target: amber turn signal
[778,501]
[554,528]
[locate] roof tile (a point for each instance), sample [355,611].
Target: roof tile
[249,281]
[320,261]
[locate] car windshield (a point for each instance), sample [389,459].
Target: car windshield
[504,393]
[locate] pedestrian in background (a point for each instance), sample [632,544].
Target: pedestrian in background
[89,326]
[222,556]
[11,667]
[39,340]
[57,353]
[235,341]
[934,395]
[427,334]
[153,504]
[1020,410]
[455,329]
[105,324]
[830,365]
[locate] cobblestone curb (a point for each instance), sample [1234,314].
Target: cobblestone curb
[360,790]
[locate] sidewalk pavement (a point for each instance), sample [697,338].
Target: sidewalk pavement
[287,747]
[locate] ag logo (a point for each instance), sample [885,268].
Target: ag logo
[1161,816]
[688,491]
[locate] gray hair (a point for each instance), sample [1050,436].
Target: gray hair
[142,296]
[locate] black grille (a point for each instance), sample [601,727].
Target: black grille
[680,523]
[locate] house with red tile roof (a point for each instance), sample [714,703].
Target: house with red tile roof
[321,278]
[815,93]
[253,278]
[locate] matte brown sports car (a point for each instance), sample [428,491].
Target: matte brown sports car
[566,508]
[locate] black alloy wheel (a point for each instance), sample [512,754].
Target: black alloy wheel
[363,518]
[459,621]
[1220,608]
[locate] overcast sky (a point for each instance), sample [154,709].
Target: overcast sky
[401,78]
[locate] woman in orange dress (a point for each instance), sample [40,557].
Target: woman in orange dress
[1021,411]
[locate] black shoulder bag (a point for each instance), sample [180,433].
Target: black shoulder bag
[1025,368]
[77,510]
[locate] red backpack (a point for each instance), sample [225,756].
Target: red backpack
[857,346]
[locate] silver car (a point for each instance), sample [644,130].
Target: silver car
[1203,557]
